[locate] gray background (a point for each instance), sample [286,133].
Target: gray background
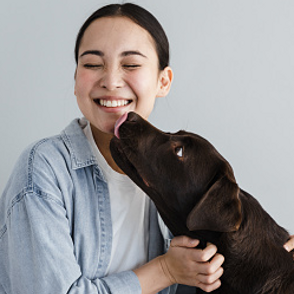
[234,82]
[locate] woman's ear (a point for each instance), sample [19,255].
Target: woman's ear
[165,80]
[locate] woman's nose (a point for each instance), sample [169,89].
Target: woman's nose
[111,79]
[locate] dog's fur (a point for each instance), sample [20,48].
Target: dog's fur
[196,195]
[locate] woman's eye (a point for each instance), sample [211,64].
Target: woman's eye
[90,65]
[179,151]
[131,66]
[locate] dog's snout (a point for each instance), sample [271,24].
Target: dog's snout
[132,117]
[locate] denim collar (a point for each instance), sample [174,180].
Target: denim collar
[79,148]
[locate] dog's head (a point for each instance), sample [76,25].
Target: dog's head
[191,184]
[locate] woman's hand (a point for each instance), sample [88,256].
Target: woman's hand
[289,246]
[184,264]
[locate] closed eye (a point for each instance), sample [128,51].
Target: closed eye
[89,65]
[131,66]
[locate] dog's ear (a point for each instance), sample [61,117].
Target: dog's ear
[219,210]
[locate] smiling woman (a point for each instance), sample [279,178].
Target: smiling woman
[114,76]
[70,220]
[111,69]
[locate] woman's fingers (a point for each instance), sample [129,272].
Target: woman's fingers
[192,266]
[209,287]
[209,278]
[212,266]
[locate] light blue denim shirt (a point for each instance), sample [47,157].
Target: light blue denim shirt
[55,223]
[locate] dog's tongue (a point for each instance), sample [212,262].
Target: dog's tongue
[118,123]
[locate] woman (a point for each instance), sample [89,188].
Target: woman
[70,221]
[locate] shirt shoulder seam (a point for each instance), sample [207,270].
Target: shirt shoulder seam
[26,192]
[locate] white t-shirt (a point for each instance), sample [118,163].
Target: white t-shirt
[129,215]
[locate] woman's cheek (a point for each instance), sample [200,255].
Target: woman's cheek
[142,84]
[85,78]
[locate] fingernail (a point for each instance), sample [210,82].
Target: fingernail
[193,241]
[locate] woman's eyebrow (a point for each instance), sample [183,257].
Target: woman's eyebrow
[92,52]
[132,52]
[123,54]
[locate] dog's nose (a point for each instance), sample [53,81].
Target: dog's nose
[132,116]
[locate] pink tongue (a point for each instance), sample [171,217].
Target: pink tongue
[118,123]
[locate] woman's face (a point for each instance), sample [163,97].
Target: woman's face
[118,72]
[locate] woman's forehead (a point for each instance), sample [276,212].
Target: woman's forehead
[117,33]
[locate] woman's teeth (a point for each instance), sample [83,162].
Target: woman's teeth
[113,103]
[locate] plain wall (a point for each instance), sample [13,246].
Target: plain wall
[234,83]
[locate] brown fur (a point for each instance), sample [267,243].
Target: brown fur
[197,195]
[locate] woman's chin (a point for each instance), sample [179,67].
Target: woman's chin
[107,129]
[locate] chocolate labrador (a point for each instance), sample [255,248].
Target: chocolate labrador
[196,194]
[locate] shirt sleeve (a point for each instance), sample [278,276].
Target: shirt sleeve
[37,253]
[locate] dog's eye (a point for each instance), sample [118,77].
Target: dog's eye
[179,151]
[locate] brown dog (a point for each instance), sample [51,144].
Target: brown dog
[195,192]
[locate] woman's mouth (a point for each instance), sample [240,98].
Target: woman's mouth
[112,103]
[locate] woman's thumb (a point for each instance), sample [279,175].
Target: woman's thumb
[184,241]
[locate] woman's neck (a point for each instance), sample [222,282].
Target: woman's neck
[102,141]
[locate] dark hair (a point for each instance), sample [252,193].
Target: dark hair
[138,15]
